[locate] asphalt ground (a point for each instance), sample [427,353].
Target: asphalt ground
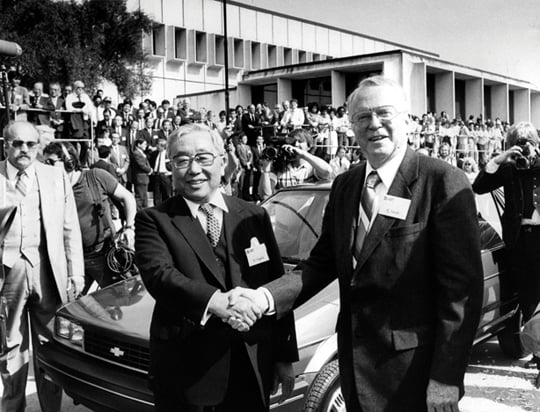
[493,383]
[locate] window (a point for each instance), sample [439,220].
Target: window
[272,56]
[201,50]
[219,50]
[287,55]
[302,56]
[255,55]
[180,43]
[238,53]
[158,40]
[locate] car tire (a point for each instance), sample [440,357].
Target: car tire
[509,338]
[324,394]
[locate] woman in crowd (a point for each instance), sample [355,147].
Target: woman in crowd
[470,168]
[92,190]
[293,165]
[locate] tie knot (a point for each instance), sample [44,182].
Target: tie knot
[373,180]
[207,209]
[21,173]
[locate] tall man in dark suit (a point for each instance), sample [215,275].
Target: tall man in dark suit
[400,233]
[251,125]
[518,170]
[140,169]
[191,250]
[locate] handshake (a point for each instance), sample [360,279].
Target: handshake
[240,307]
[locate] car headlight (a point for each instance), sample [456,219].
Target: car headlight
[71,331]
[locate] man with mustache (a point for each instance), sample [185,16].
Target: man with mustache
[42,260]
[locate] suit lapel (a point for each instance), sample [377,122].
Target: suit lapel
[405,176]
[192,231]
[230,222]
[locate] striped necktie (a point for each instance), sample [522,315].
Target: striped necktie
[22,183]
[213,230]
[367,200]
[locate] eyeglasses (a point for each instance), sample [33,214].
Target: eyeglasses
[384,114]
[17,144]
[202,159]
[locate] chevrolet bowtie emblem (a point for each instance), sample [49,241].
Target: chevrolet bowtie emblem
[117,352]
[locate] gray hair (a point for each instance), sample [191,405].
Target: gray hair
[10,127]
[377,81]
[522,130]
[177,135]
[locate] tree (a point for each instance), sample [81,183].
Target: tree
[88,40]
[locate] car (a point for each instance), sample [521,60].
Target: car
[100,351]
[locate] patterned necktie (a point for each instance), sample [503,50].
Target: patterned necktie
[213,230]
[22,183]
[367,200]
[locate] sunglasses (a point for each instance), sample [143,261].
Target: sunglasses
[17,144]
[51,162]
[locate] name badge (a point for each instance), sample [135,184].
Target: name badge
[256,253]
[396,207]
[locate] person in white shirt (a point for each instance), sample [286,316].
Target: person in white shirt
[340,163]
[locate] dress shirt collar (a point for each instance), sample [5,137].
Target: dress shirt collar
[12,171]
[387,172]
[216,200]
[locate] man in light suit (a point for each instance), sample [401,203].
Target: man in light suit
[400,233]
[199,363]
[119,158]
[42,260]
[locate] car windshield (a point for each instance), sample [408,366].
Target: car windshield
[297,219]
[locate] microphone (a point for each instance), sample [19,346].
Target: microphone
[9,49]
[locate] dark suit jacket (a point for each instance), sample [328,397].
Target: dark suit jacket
[506,176]
[146,135]
[250,133]
[139,168]
[179,269]
[40,118]
[410,309]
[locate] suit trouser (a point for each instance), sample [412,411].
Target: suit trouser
[141,195]
[162,188]
[30,293]
[243,393]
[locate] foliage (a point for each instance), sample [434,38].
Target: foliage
[89,40]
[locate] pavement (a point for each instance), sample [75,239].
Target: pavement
[493,383]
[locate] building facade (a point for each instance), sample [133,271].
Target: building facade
[273,57]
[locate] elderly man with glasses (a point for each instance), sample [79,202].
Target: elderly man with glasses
[191,250]
[400,233]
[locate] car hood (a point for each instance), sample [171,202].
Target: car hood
[126,308]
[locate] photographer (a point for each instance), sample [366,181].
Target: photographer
[518,171]
[291,164]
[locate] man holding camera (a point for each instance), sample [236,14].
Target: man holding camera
[518,170]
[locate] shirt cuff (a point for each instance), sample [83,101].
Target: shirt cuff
[206,316]
[492,167]
[271,309]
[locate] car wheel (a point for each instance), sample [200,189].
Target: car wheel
[324,394]
[509,340]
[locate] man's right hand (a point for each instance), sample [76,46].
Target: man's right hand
[242,315]
[508,156]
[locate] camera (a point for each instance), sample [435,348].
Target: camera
[275,151]
[527,157]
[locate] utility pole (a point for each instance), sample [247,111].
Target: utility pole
[226,57]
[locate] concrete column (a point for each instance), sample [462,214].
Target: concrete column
[499,102]
[522,105]
[445,94]
[414,84]
[474,97]
[338,88]
[535,109]
[243,94]
[284,89]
